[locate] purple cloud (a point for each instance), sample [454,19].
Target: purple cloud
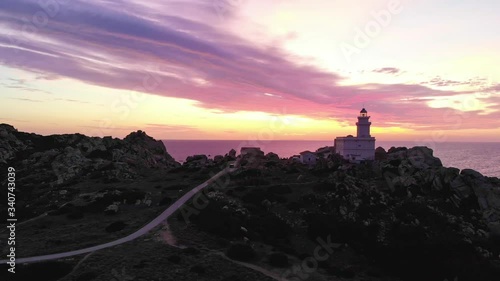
[160,50]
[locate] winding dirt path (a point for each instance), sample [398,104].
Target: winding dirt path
[145,229]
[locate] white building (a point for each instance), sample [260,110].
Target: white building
[308,157]
[361,147]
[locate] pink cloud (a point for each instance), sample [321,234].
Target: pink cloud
[106,44]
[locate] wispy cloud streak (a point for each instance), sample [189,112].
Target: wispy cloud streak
[114,43]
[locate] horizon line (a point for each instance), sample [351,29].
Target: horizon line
[264,141]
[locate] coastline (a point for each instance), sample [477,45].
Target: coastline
[452,154]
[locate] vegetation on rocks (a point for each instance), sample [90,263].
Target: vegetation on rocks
[401,217]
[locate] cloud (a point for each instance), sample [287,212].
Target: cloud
[26,99]
[164,48]
[478,82]
[387,70]
[72,100]
[25,88]
[171,128]
[493,88]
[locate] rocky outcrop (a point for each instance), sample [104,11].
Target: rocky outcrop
[472,184]
[61,159]
[141,149]
[218,159]
[408,211]
[9,144]
[231,153]
[419,157]
[196,161]
[380,153]
[272,157]
[405,213]
[416,172]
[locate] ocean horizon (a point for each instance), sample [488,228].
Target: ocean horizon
[483,157]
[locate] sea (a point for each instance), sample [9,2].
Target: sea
[483,157]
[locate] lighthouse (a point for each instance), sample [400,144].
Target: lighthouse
[359,148]
[363,124]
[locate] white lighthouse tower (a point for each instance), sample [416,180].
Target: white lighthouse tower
[361,147]
[363,124]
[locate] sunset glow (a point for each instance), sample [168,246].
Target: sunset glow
[252,69]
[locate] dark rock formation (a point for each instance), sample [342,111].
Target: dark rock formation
[272,157]
[471,184]
[62,159]
[416,172]
[141,149]
[409,215]
[231,154]
[218,159]
[420,157]
[196,161]
[380,153]
[408,212]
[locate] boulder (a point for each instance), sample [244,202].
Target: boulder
[488,197]
[380,153]
[196,161]
[470,184]
[112,209]
[69,164]
[272,156]
[420,157]
[460,187]
[396,149]
[231,153]
[218,159]
[9,143]
[147,152]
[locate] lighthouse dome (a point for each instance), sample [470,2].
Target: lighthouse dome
[363,111]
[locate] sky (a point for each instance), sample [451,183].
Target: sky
[241,69]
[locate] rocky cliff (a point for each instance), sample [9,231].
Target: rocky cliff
[416,172]
[403,215]
[61,159]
